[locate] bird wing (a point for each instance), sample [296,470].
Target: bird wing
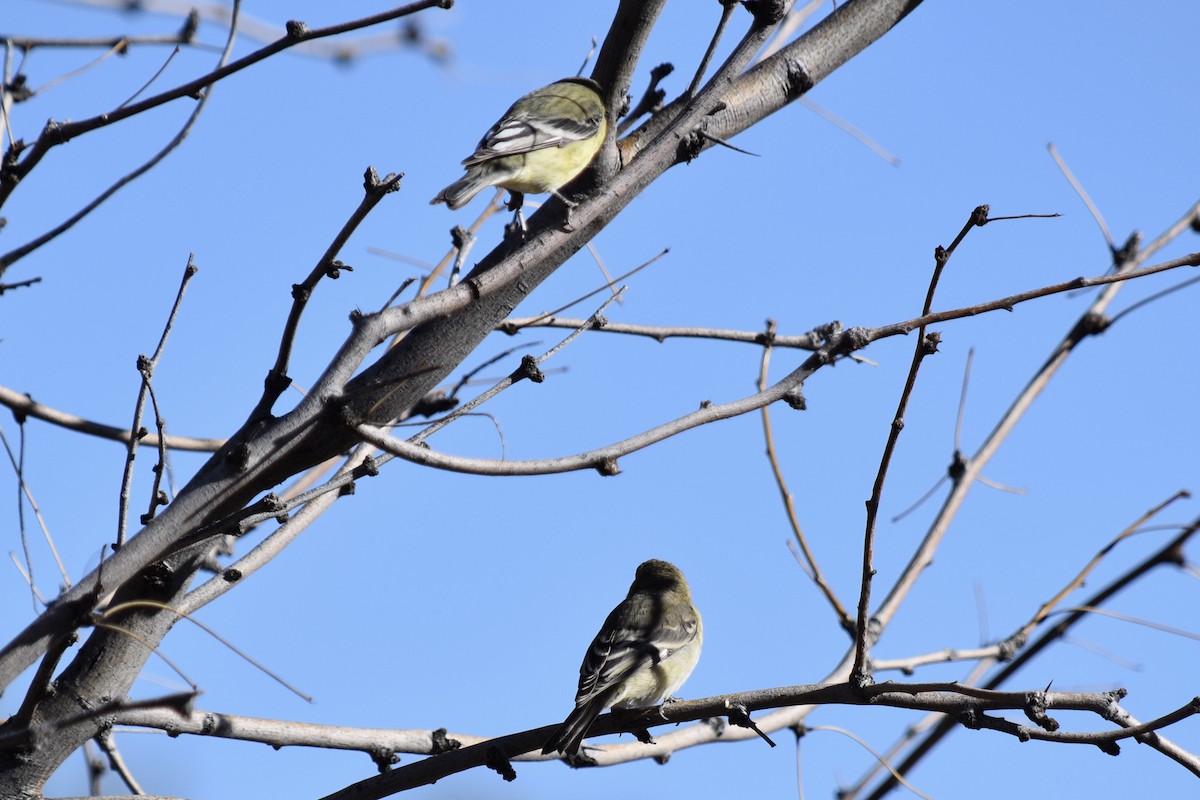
[521,132]
[635,635]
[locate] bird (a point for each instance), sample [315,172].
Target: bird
[646,649]
[541,143]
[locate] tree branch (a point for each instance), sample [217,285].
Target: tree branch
[24,405]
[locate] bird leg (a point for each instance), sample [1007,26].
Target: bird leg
[568,223]
[515,201]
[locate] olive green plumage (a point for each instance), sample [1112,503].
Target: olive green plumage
[543,141]
[645,650]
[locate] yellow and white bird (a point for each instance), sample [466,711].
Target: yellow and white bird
[540,144]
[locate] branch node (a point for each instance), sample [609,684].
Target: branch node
[384,757]
[1112,711]
[795,399]
[296,29]
[738,715]
[370,179]
[461,238]
[53,132]
[333,269]
[239,457]
[1127,252]
[529,369]
[1094,322]
[272,502]
[442,743]
[608,467]
[497,761]
[956,470]
[1035,710]
[187,34]
[369,467]
[929,345]
[853,339]
[690,147]
[434,402]
[766,12]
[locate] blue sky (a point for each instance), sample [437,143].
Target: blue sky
[431,599]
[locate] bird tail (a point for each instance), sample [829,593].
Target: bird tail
[461,192]
[569,736]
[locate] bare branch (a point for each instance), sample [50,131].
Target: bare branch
[298,33]
[950,699]
[54,134]
[660,333]
[1083,195]
[24,404]
[146,367]
[926,345]
[1170,553]
[814,571]
[328,266]
[840,343]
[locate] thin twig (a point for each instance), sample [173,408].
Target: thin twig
[814,570]
[152,79]
[1083,195]
[55,134]
[925,345]
[110,612]
[118,46]
[727,8]
[840,343]
[517,375]
[1151,298]
[496,203]
[857,133]
[610,281]
[910,733]
[962,401]
[37,512]
[298,33]
[312,504]
[881,759]
[651,101]
[660,333]
[1170,553]
[24,405]
[146,367]
[510,326]
[108,743]
[179,704]
[374,190]
[1047,607]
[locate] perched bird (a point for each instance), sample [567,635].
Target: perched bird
[547,138]
[646,649]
